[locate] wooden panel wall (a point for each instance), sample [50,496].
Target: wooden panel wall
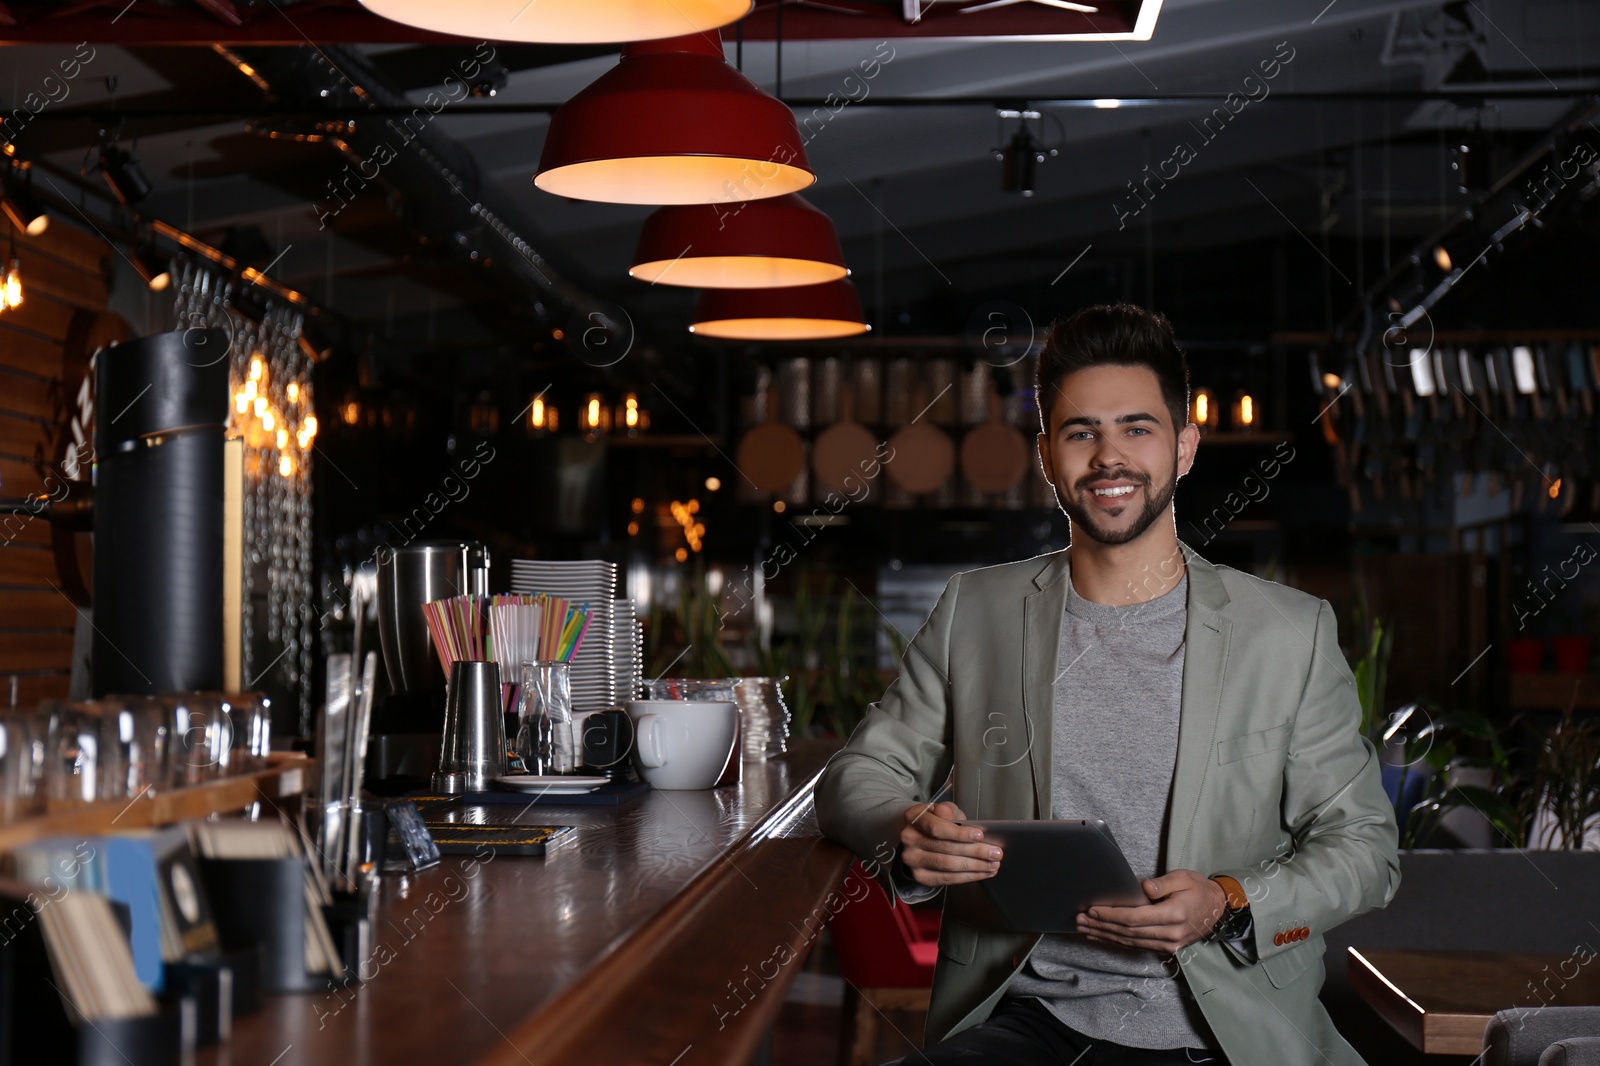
[42,356]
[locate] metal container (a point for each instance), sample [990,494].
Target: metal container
[161,406]
[473,752]
[409,577]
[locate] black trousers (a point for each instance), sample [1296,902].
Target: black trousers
[1023,1032]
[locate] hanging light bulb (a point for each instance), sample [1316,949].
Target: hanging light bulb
[563,21]
[258,367]
[310,426]
[594,418]
[350,410]
[542,417]
[802,312]
[756,245]
[673,123]
[1203,411]
[11,288]
[286,465]
[1246,417]
[269,420]
[260,403]
[241,402]
[293,391]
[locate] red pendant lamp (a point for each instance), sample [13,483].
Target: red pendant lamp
[760,244]
[672,123]
[803,312]
[563,21]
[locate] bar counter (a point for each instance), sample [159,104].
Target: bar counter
[663,931]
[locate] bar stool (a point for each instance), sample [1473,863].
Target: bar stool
[886,956]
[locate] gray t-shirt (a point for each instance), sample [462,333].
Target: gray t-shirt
[1118,690]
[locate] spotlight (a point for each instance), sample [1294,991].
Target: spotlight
[490,80]
[122,174]
[1022,152]
[1018,162]
[153,268]
[24,209]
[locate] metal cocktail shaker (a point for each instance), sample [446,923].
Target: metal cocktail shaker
[409,577]
[473,753]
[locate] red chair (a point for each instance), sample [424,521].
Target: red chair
[886,956]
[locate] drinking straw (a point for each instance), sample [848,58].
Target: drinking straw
[578,640]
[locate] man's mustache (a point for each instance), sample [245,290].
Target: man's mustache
[1121,475]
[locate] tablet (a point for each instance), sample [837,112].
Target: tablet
[1053,870]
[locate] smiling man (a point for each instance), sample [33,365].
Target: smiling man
[1207,715]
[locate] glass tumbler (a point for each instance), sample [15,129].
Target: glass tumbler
[544,719]
[250,717]
[21,765]
[74,739]
[199,737]
[135,745]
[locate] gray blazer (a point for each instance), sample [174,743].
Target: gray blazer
[1274,785]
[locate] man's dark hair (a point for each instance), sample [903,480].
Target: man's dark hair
[1114,335]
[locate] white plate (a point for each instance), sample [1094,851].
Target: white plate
[554,785]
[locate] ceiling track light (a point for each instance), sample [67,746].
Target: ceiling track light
[22,206]
[1022,152]
[122,173]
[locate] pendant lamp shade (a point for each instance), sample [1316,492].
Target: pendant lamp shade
[563,21]
[803,312]
[672,123]
[760,244]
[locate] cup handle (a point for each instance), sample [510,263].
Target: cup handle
[651,739]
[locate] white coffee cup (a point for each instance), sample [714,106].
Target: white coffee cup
[682,744]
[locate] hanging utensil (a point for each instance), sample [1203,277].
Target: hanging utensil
[994,456]
[924,456]
[771,454]
[845,452]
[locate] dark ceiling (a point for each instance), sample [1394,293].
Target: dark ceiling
[1282,212]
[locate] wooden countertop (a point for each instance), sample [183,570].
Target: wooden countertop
[1440,1001]
[664,931]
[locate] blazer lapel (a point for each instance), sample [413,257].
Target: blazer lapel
[1204,663]
[1041,643]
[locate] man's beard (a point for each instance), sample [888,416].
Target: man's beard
[1083,518]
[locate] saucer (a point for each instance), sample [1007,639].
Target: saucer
[551,785]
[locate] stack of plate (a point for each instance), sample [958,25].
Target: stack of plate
[605,671]
[627,651]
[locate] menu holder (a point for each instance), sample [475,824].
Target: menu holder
[36,967]
[262,903]
[223,986]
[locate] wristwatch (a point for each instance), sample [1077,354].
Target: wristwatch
[1236,918]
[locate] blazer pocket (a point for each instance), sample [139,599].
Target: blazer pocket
[1258,743]
[1285,966]
[958,941]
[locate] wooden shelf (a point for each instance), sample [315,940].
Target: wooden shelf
[286,775]
[1554,691]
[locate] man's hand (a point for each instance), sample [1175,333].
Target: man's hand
[937,851]
[1186,906]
